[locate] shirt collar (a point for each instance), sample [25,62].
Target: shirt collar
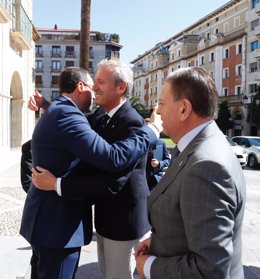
[186,139]
[115,109]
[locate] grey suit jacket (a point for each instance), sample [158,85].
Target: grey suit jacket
[196,212]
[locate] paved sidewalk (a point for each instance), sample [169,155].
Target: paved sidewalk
[15,252]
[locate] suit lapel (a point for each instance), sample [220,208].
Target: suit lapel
[180,162]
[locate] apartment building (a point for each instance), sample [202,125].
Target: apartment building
[226,43]
[59,48]
[16,72]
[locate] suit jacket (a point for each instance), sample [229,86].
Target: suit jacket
[122,216]
[61,137]
[196,212]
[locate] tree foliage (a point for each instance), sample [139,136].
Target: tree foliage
[223,119]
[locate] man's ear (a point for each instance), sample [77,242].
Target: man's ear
[186,108]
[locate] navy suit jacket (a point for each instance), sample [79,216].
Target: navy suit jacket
[122,216]
[61,137]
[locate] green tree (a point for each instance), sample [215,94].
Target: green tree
[138,105]
[223,120]
[85,34]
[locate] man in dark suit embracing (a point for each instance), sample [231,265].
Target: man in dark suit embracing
[56,227]
[120,220]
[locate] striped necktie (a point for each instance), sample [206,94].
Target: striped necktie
[174,154]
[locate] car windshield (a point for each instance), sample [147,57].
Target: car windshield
[255,141]
[230,141]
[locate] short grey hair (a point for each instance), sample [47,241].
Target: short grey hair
[122,72]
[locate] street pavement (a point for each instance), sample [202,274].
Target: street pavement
[15,252]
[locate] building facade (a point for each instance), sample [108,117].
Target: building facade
[16,72]
[226,43]
[60,48]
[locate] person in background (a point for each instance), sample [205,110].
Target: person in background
[196,211]
[57,227]
[158,161]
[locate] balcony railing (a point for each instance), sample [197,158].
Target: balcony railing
[70,53]
[55,53]
[21,27]
[257,8]
[5,11]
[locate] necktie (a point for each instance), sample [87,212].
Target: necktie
[174,154]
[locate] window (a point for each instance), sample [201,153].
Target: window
[254,2]
[239,48]
[216,31]
[55,65]
[202,60]
[172,56]
[70,51]
[254,45]
[226,73]
[238,90]
[54,95]
[38,64]
[211,56]
[238,70]
[253,67]
[254,24]
[225,92]
[56,50]
[55,80]
[69,63]
[189,64]
[236,22]
[226,53]
[38,80]
[226,27]
[38,50]
[252,88]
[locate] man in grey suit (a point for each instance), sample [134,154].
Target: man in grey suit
[196,211]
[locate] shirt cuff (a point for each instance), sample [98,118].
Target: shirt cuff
[154,128]
[147,266]
[58,186]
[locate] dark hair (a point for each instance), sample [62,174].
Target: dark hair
[196,85]
[70,77]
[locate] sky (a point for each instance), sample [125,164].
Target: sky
[141,24]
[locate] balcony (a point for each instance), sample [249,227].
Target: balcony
[55,70]
[39,70]
[39,54]
[5,11]
[21,34]
[55,53]
[70,53]
[257,53]
[257,8]
[257,31]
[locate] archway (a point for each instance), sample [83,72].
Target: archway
[16,104]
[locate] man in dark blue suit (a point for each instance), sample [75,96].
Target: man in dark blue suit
[57,227]
[121,219]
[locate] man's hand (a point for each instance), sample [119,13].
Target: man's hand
[140,261]
[155,163]
[141,255]
[43,179]
[35,101]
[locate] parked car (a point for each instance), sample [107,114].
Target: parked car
[239,151]
[252,146]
